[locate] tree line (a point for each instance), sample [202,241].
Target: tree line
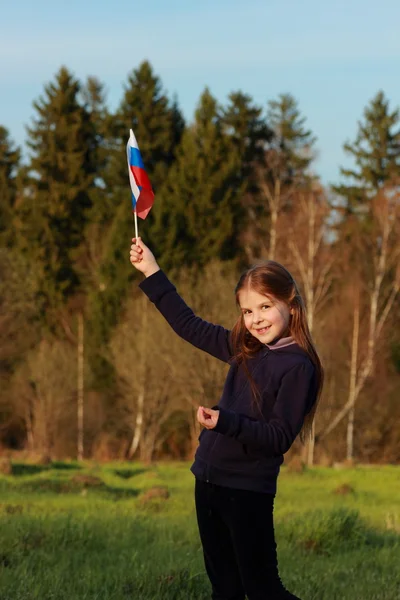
[87,367]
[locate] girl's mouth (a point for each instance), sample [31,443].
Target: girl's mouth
[263,329]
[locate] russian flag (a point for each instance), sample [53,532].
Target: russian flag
[142,192]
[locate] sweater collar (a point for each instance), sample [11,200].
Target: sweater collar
[281,343]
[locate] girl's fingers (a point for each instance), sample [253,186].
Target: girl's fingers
[207,413]
[136,252]
[207,417]
[135,256]
[137,242]
[200,416]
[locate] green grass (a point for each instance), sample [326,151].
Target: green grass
[77,532]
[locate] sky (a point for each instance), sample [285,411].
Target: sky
[332,56]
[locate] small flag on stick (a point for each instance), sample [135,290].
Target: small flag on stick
[142,192]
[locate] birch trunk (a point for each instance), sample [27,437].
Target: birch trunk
[80,382]
[142,382]
[353,380]
[312,210]
[29,430]
[386,215]
[274,205]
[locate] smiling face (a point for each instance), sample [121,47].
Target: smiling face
[265,317]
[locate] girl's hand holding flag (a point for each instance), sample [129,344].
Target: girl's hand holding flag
[142,258]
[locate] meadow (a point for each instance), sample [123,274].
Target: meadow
[124,531]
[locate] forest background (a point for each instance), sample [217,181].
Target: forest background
[88,369]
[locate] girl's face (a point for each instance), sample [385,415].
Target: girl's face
[265,317]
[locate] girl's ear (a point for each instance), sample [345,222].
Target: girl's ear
[292,311]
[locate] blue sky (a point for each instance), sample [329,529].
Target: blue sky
[332,56]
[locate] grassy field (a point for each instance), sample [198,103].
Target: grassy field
[80,532]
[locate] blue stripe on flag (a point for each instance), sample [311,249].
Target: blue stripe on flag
[135,158]
[133,202]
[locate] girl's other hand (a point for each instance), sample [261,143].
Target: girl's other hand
[207,417]
[142,258]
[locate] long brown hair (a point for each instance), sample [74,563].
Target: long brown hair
[270,278]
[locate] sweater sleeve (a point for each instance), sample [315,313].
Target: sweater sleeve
[213,339]
[295,399]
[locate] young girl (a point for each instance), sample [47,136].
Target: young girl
[269,397]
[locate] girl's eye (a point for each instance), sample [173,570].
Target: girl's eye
[266,306]
[246,312]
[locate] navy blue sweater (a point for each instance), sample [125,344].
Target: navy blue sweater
[245,449]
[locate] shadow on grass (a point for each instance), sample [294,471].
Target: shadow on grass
[121,493]
[77,485]
[128,473]
[62,466]
[19,469]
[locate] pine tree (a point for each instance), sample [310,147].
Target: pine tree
[285,167]
[101,197]
[199,208]
[9,163]
[62,169]
[292,143]
[248,129]
[376,152]
[158,126]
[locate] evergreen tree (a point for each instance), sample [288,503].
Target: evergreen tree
[102,203]
[9,163]
[285,167]
[376,152]
[199,208]
[292,148]
[158,126]
[62,170]
[248,129]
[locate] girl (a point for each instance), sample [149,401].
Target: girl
[269,397]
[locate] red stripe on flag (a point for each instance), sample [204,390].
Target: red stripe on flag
[144,203]
[141,177]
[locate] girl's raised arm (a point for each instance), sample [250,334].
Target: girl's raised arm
[211,338]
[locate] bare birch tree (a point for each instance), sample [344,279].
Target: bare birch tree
[312,259]
[275,197]
[353,374]
[382,247]
[81,389]
[75,336]
[47,389]
[140,348]
[286,162]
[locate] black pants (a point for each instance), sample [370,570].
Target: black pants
[237,533]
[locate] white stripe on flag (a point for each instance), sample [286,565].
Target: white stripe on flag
[134,187]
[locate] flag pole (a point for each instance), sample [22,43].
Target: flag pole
[136,225]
